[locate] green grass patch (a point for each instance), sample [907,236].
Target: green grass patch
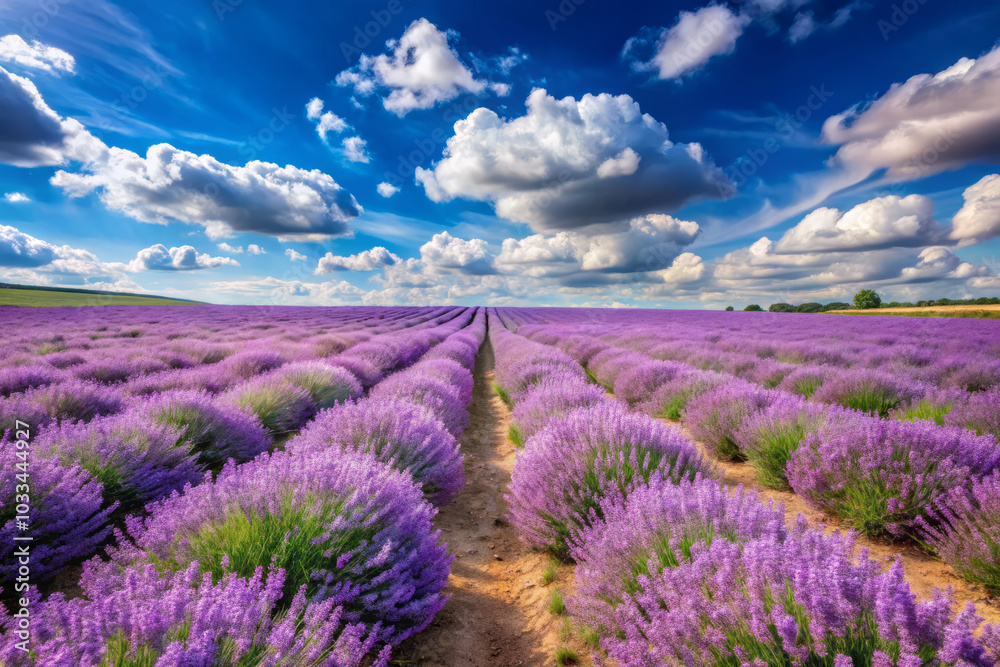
[502,393]
[557,606]
[50,298]
[549,573]
[565,656]
[962,314]
[516,435]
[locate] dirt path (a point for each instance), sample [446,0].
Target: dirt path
[498,612]
[924,572]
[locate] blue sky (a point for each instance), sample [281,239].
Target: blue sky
[673,154]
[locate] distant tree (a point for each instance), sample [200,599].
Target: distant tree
[754,308]
[923,304]
[867,298]
[836,305]
[811,307]
[729,309]
[781,308]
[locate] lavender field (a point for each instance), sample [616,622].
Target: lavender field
[362,486]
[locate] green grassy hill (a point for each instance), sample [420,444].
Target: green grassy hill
[38,296]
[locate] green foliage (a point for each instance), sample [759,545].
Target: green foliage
[811,307]
[866,299]
[565,656]
[729,309]
[836,305]
[781,308]
[549,573]
[924,411]
[753,308]
[516,435]
[557,606]
[502,393]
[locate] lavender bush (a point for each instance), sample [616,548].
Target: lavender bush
[881,475]
[657,527]
[869,391]
[570,467]
[344,525]
[768,437]
[403,435]
[183,619]
[136,459]
[554,399]
[634,385]
[980,412]
[964,530]
[212,431]
[327,385]
[715,416]
[67,516]
[672,398]
[799,601]
[281,406]
[439,397]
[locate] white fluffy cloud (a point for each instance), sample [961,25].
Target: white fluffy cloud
[18,249]
[937,263]
[979,219]
[368,260]
[16,198]
[13,49]
[444,251]
[543,168]
[692,41]
[354,149]
[326,121]
[33,135]
[255,249]
[386,189]
[885,222]
[295,256]
[225,247]
[928,124]
[169,185]
[185,258]
[421,71]
[686,268]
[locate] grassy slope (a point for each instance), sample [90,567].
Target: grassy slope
[971,312]
[42,297]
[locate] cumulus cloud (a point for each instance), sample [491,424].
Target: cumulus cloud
[885,222]
[33,135]
[13,49]
[185,258]
[421,70]
[295,256]
[171,185]
[368,260]
[444,251]
[979,219]
[686,268]
[694,40]
[255,249]
[543,168]
[937,263]
[354,149]
[18,249]
[386,189]
[326,121]
[225,247]
[928,124]
[16,198]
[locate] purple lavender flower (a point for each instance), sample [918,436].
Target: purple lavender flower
[135,459]
[715,416]
[212,431]
[869,391]
[249,364]
[979,412]
[20,378]
[654,528]
[804,381]
[343,524]
[604,451]
[671,399]
[181,619]
[281,406]
[67,516]
[882,474]
[449,372]
[635,385]
[768,437]
[553,399]
[441,398]
[403,435]
[964,530]
[327,385]
[803,600]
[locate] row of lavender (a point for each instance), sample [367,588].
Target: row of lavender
[921,368]
[940,484]
[322,553]
[92,467]
[673,569]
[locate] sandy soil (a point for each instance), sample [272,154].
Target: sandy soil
[925,309]
[923,571]
[498,612]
